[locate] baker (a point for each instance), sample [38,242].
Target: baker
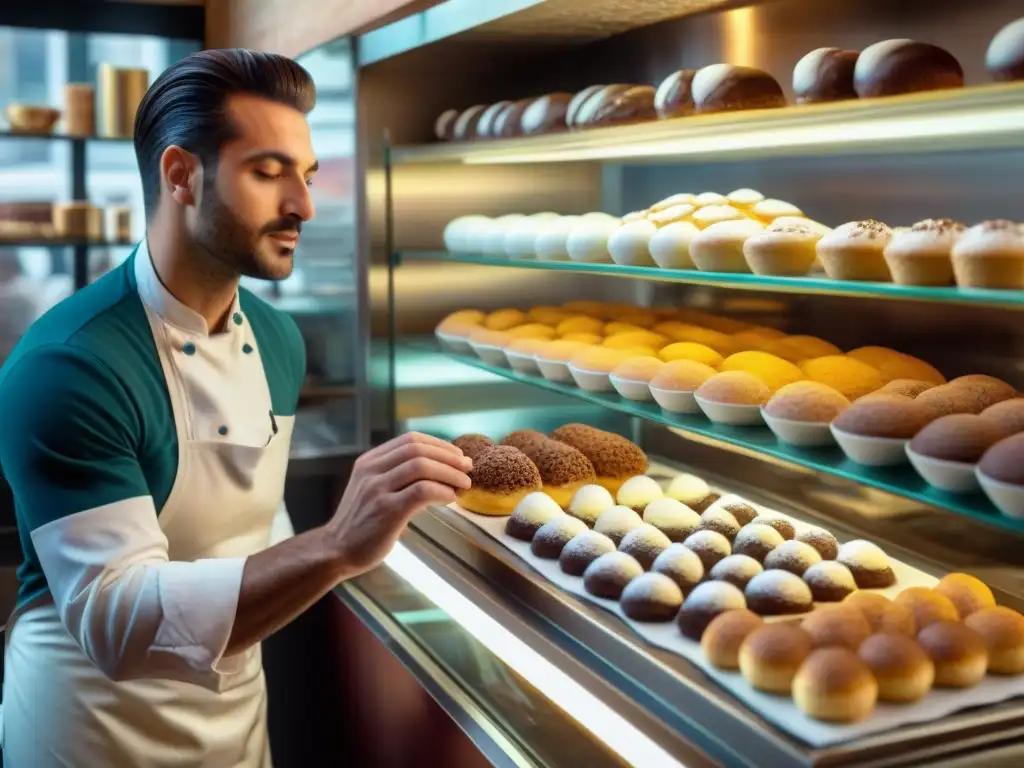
[145,430]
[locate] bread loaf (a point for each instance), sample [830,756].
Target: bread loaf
[576,104]
[485,127]
[674,97]
[444,126]
[546,114]
[825,74]
[465,125]
[617,105]
[728,88]
[904,66]
[507,123]
[1005,57]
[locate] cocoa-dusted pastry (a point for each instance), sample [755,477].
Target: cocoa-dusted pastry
[968,593]
[727,88]
[671,517]
[465,124]
[868,564]
[583,550]
[904,66]
[830,581]
[615,459]
[771,656]
[780,524]
[704,603]
[508,123]
[645,543]
[546,114]
[487,124]
[709,546]
[778,593]
[903,670]
[674,97]
[822,540]
[563,469]
[793,556]
[609,574]
[1004,59]
[957,651]
[617,105]
[960,437]
[719,520]
[680,564]
[883,614]
[825,74]
[502,477]
[1002,631]
[834,685]
[725,635]
[524,439]
[756,541]
[927,605]
[444,126]
[738,570]
[551,538]
[473,445]
[651,597]
[616,522]
[637,492]
[576,103]
[530,514]
[742,512]
[836,625]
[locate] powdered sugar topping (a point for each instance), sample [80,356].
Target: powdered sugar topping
[655,588]
[860,553]
[781,584]
[716,596]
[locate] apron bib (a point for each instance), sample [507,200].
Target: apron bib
[59,711]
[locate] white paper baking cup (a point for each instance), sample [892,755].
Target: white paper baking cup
[591,381]
[730,413]
[631,389]
[952,476]
[458,344]
[490,354]
[1008,498]
[675,401]
[554,370]
[808,434]
[522,363]
[871,451]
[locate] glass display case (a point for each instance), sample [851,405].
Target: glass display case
[899,159]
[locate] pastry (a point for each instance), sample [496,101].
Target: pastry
[961,437]
[741,511]
[614,458]
[984,390]
[734,388]
[836,625]
[717,340]
[563,470]
[637,492]
[509,122]
[651,597]
[1004,461]
[756,541]
[629,244]
[1009,414]
[725,635]
[617,105]
[588,240]
[551,538]
[830,581]
[680,564]
[780,524]
[505,319]
[1004,59]
[825,74]
[633,339]
[855,251]
[705,199]
[957,651]
[644,543]
[848,376]
[579,324]
[822,540]
[589,502]
[770,657]
[1002,631]
[669,246]
[921,254]
[717,519]
[788,249]
[968,593]
[501,478]
[444,126]
[776,593]
[582,550]
[519,241]
[927,605]
[769,210]
[709,546]
[903,671]
[674,97]
[709,215]
[905,387]
[577,102]
[616,522]
[770,369]
[834,685]
[801,347]
[990,255]
[904,66]
[883,614]
[744,198]
[466,122]
[672,201]
[728,88]
[793,556]
[525,439]
[609,574]
[545,114]
[738,570]
[691,352]
[888,416]
[719,246]
[636,372]
[704,603]
[530,515]
[896,365]
[485,125]
[674,384]
[473,445]
[868,564]
[671,517]
[691,491]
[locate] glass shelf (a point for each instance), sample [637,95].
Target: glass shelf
[805,285]
[760,442]
[987,116]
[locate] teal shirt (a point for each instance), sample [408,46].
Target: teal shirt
[86,414]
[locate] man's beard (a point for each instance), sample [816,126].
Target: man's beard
[221,234]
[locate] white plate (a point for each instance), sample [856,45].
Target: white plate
[872,451]
[458,344]
[522,363]
[1008,498]
[675,401]
[952,476]
[730,413]
[490,354]
[631,389]
[807,434]
[554,370]
[591,381]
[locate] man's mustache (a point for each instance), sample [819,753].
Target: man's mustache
[283,225]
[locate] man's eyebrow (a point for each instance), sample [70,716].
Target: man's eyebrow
[281,157]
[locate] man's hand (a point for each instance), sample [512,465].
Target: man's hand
[388,485]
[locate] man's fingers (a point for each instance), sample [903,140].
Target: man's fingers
[420,494]
[403,441]
[412,451]
[422,468]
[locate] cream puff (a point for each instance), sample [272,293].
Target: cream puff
[615,459]
[501,477]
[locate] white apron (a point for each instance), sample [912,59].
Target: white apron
[223,504]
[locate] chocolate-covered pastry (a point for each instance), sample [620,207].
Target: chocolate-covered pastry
[905,66]
[444,126]
[728,88]
[674,97]
[617,105]
[825,74]
[485,126]
[576,103]
[465,125]
[509,122]
[1005,57]
[545,114]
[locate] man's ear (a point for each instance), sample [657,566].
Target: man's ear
[180,172]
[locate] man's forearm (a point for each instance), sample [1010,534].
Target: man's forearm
[281,582]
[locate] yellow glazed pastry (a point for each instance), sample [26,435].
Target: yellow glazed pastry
[847,375]
[635,339]
[689,350]
[773,371]
[896,365]
[504,319]
[532,331]
[579,324]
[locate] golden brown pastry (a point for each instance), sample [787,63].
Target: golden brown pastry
[990,255]
[884,416]
[836,625]
[545,114]
[968,593]
[725,634]
[770,657]
[921,254]
[1002,631]
[833,684]
[825,74]
[927,605]
[883,614]
[903,670]
[501,478]
[615,459]
[957,651]
[855,251]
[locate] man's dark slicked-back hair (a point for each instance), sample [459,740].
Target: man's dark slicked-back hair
[185,106]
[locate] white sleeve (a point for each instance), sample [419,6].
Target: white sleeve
[134,613]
